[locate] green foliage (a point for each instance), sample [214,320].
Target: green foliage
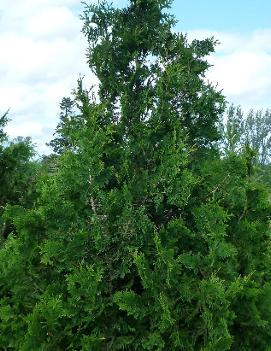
[3,122]
[63,134]
[18,175]
[142,237]
[258,125]
[233,130]
[252,129]
[16,171]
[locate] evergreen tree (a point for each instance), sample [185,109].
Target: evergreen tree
[69,122]
[3,122]
[17,175]
[60,143]
[144,238]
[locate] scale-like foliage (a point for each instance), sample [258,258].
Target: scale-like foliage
[143,238]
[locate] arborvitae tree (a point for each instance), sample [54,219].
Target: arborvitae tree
[144,239]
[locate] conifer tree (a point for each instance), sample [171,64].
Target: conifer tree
[3,122]
[61,141]
[145,238]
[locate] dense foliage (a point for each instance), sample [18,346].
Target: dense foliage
[142,236]
[18,175]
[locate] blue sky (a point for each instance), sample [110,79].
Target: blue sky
[220,15]
[43,53]
[231,15]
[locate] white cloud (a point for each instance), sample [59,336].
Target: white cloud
[242,66]
[53,21]
[43,53]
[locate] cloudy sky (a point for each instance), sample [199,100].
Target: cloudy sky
[43,53]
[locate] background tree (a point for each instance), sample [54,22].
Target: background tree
[17,174]
[17,178]
[66,128]
[258,133]
[240,131]
[3,122]
[233,130]
[61,143]
[253,129]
